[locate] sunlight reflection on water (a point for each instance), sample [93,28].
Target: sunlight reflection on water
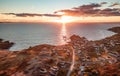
[63,36]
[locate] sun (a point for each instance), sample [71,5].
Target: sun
[64,19]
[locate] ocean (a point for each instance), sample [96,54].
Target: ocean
[25,35]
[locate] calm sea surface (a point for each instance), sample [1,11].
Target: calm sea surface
[31,34]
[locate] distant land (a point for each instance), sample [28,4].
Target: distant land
[66,23]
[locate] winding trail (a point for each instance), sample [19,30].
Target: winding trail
[73,62]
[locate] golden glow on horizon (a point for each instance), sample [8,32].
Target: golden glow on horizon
[65,19]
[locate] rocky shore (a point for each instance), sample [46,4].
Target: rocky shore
[115,29]
[5,44]
[92,58]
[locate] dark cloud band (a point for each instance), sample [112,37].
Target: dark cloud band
[92,10]
[32,15]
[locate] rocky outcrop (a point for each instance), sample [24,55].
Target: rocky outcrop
[5,44]
[115,29]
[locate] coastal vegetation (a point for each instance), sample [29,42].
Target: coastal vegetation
[92,58]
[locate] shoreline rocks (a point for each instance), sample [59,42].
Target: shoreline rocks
[4,45]
[115,29]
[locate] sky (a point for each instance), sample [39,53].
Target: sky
[53,10]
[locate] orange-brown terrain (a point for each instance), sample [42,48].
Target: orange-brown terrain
[92,58]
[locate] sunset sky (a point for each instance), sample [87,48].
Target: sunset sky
[58,10]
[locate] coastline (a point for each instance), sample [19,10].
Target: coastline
[101,57]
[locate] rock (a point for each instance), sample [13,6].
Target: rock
[1,40]
[5,44]
[115,29]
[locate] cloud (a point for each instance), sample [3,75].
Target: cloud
[103,3]
[31,15]
[86,7]
[93,9]
[23,14]
[82,10]
[110,12]
[51,15]
[115,4]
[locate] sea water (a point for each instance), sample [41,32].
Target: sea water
[25,35]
